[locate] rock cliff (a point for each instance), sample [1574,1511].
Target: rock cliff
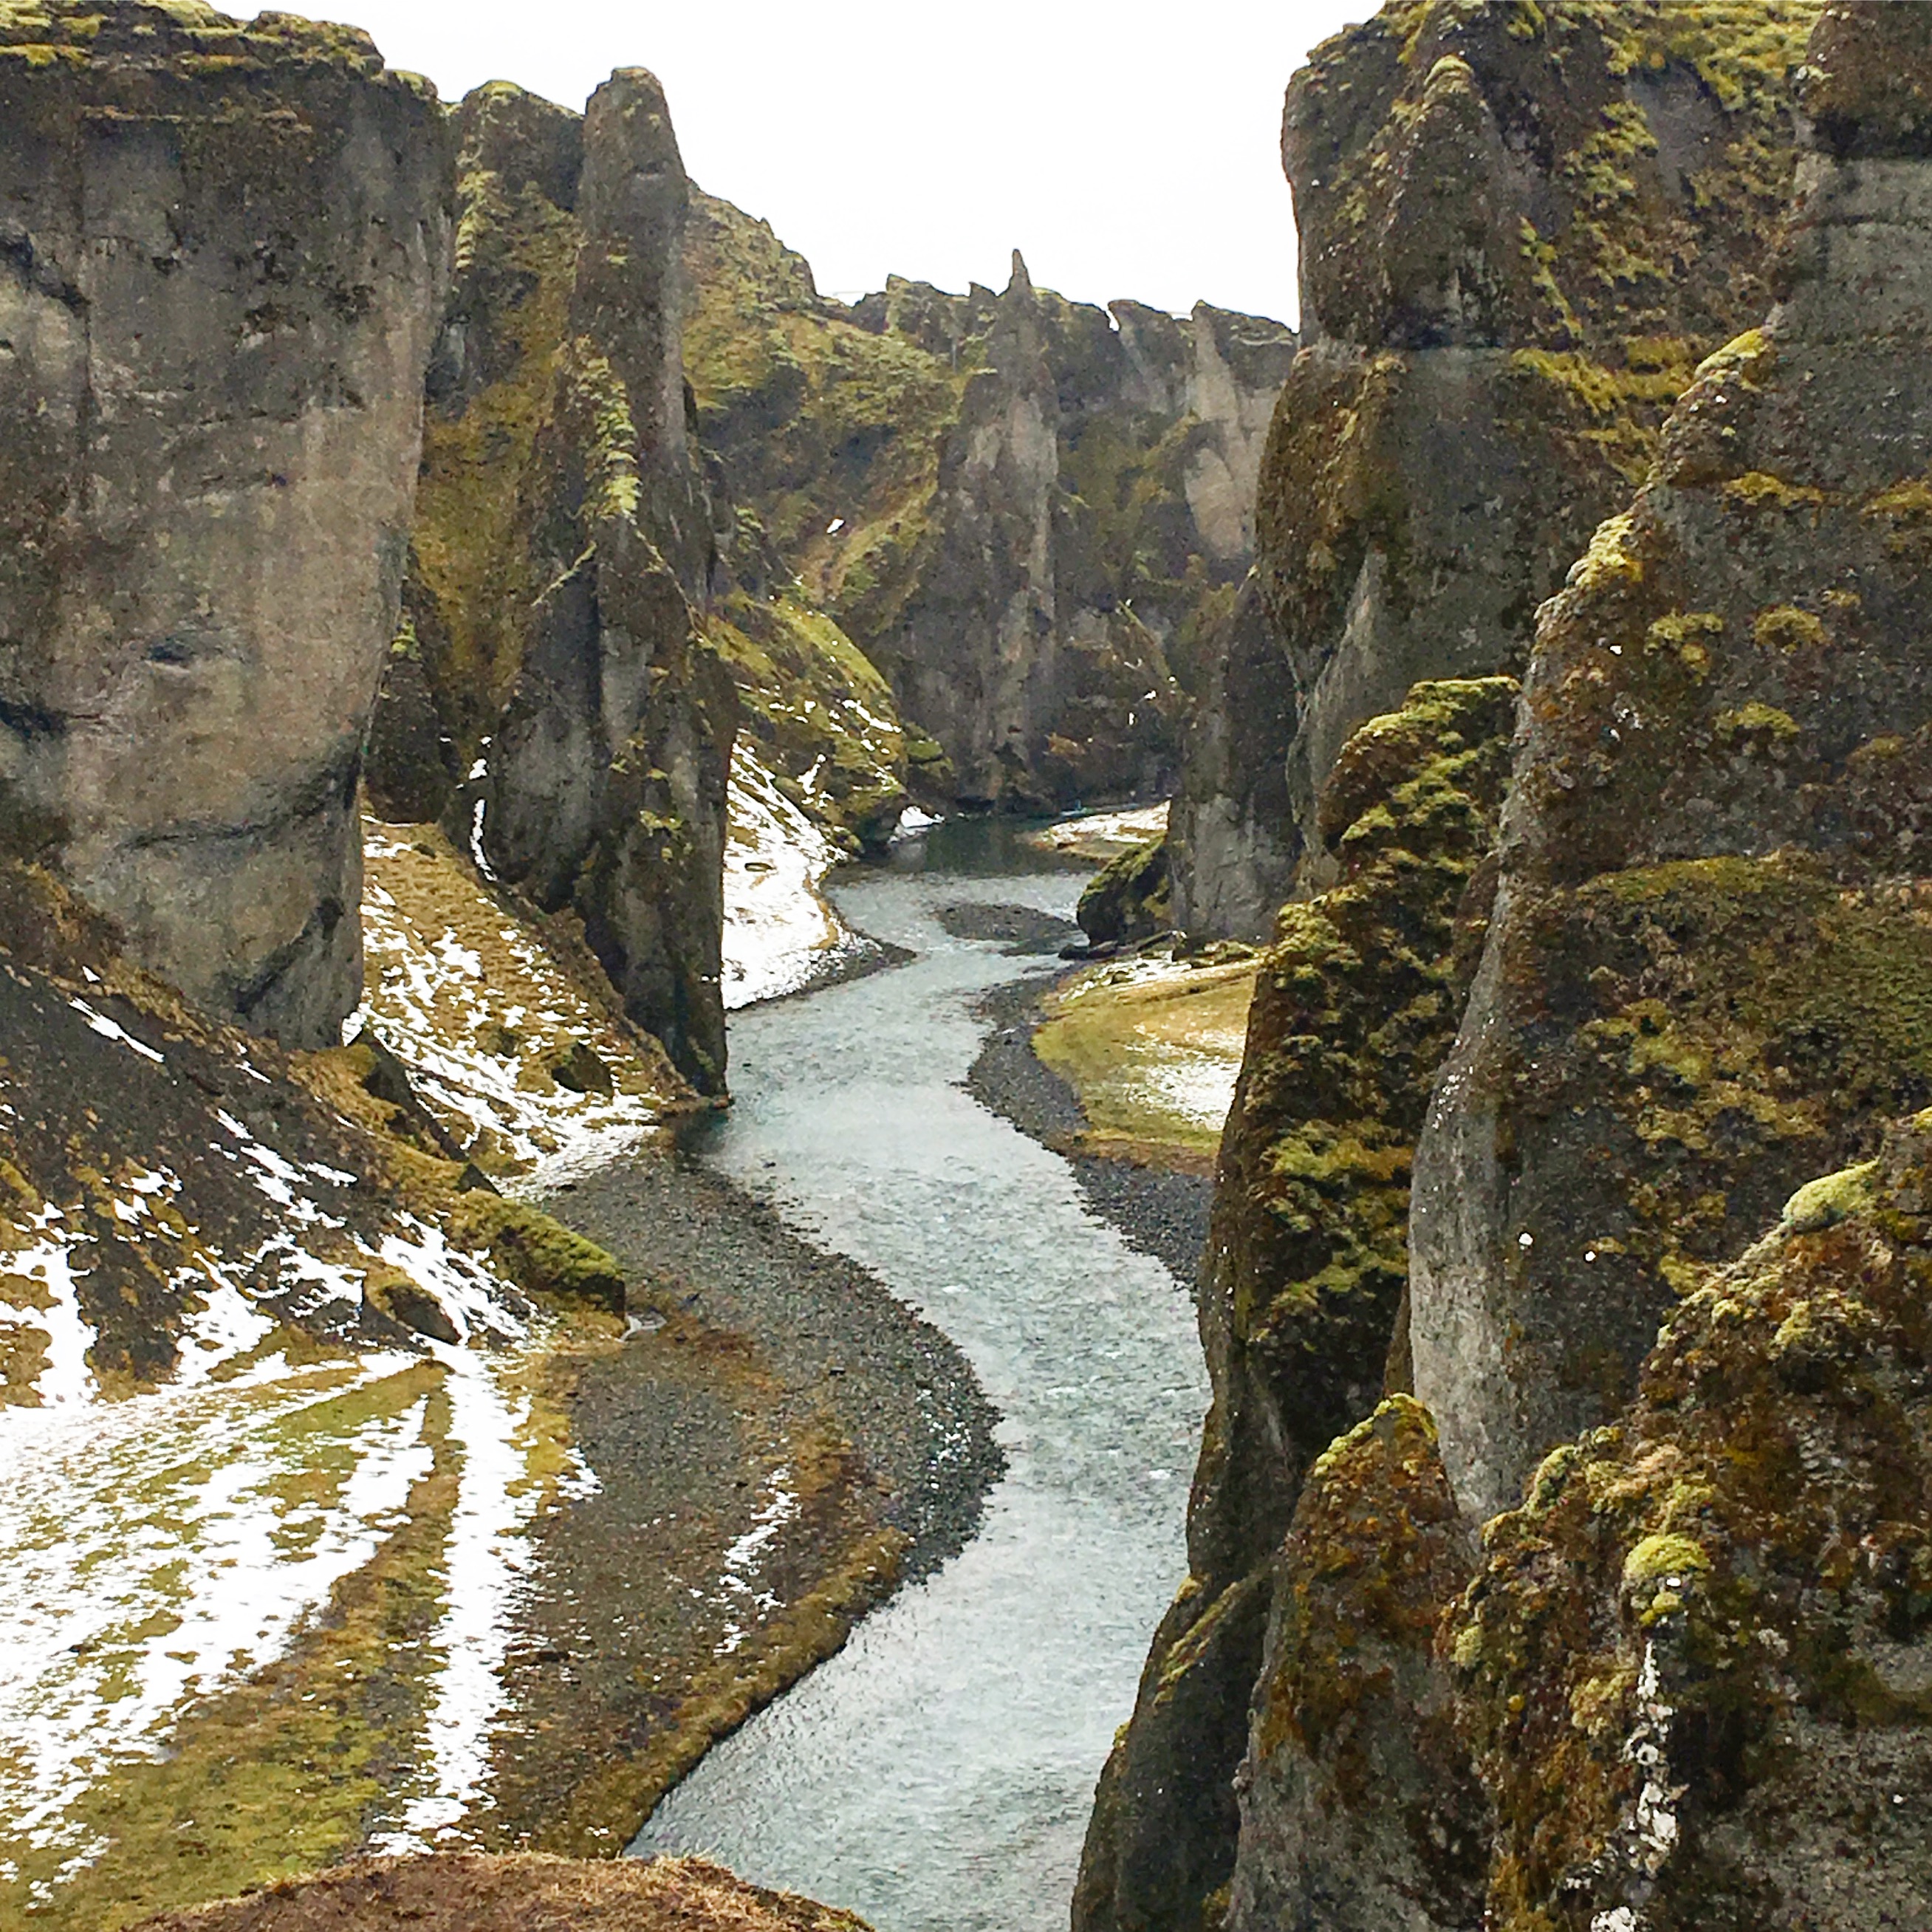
[1521,228]
[1354,1007]
[582,721]
[1678,1678]
[210,413]
[1705,981]
[1021,509]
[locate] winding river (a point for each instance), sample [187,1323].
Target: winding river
[935,1776]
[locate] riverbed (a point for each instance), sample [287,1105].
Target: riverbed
[937,1773]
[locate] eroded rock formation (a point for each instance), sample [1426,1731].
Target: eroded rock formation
[1521,227]
[1705,981]
[1683,1683]
[1023,510]
[210,415]
[564,538]
[1354,1010]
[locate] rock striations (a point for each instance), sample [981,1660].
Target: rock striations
[1606,1609]
[1521,227]
[210,411]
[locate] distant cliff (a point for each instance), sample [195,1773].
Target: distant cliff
[210,412]
[1521,228]
[1022,510]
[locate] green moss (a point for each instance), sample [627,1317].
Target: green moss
[817,710]
[516,258]
[1691,1586]
[1757,490]
[538,1253]
[1356,1003]
[1831,1198]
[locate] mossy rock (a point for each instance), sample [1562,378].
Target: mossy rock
[539,1254]
[1129,898]
[1693,1663]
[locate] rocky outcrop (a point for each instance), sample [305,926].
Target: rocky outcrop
[1354,1007]
[1020,508]
[565,536]
[1128,898]
[1359,1811]
[1521,227]
[210,414]
[1704,983]
[1694,1664]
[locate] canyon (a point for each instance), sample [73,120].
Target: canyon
[466,592]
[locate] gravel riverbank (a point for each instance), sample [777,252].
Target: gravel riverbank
[1162,1212]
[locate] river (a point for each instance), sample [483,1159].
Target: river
[935,1776]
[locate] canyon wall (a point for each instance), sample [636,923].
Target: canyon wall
[1023,511]
[210,413]
[1704,984]
[1521,228]
[553,693]
[1604,1614]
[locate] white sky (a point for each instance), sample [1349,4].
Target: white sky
[1125,149]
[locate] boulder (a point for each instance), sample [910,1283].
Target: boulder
[211,407]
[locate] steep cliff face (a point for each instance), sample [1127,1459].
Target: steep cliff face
[1706,980]
[210,415]
[1354,1007]
[564,536]
[1521,228]
[1018,508]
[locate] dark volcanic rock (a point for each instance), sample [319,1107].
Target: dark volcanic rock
[223,250]
[1521,227]
[1707,977]
[1694,1663]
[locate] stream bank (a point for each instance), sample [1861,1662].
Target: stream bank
[937,1771]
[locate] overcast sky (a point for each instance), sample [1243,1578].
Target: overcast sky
[1125,149]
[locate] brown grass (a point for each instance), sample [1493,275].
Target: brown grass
[467,1892]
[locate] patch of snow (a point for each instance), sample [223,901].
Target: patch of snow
[434,999]
[780,933]
[101,1023]
[1198,1086]
[739,1588]
[64,1381]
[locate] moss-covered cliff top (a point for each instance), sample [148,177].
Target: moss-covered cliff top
[1562,174]
[191,39]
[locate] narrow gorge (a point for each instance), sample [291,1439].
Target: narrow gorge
[701,978]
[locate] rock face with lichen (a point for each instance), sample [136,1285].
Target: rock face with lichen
[1694,1663]
[1522,226]
[584,723]
[210,414]
[1354,1007]
[1707,978]
[1021,509]
[1358,1809]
